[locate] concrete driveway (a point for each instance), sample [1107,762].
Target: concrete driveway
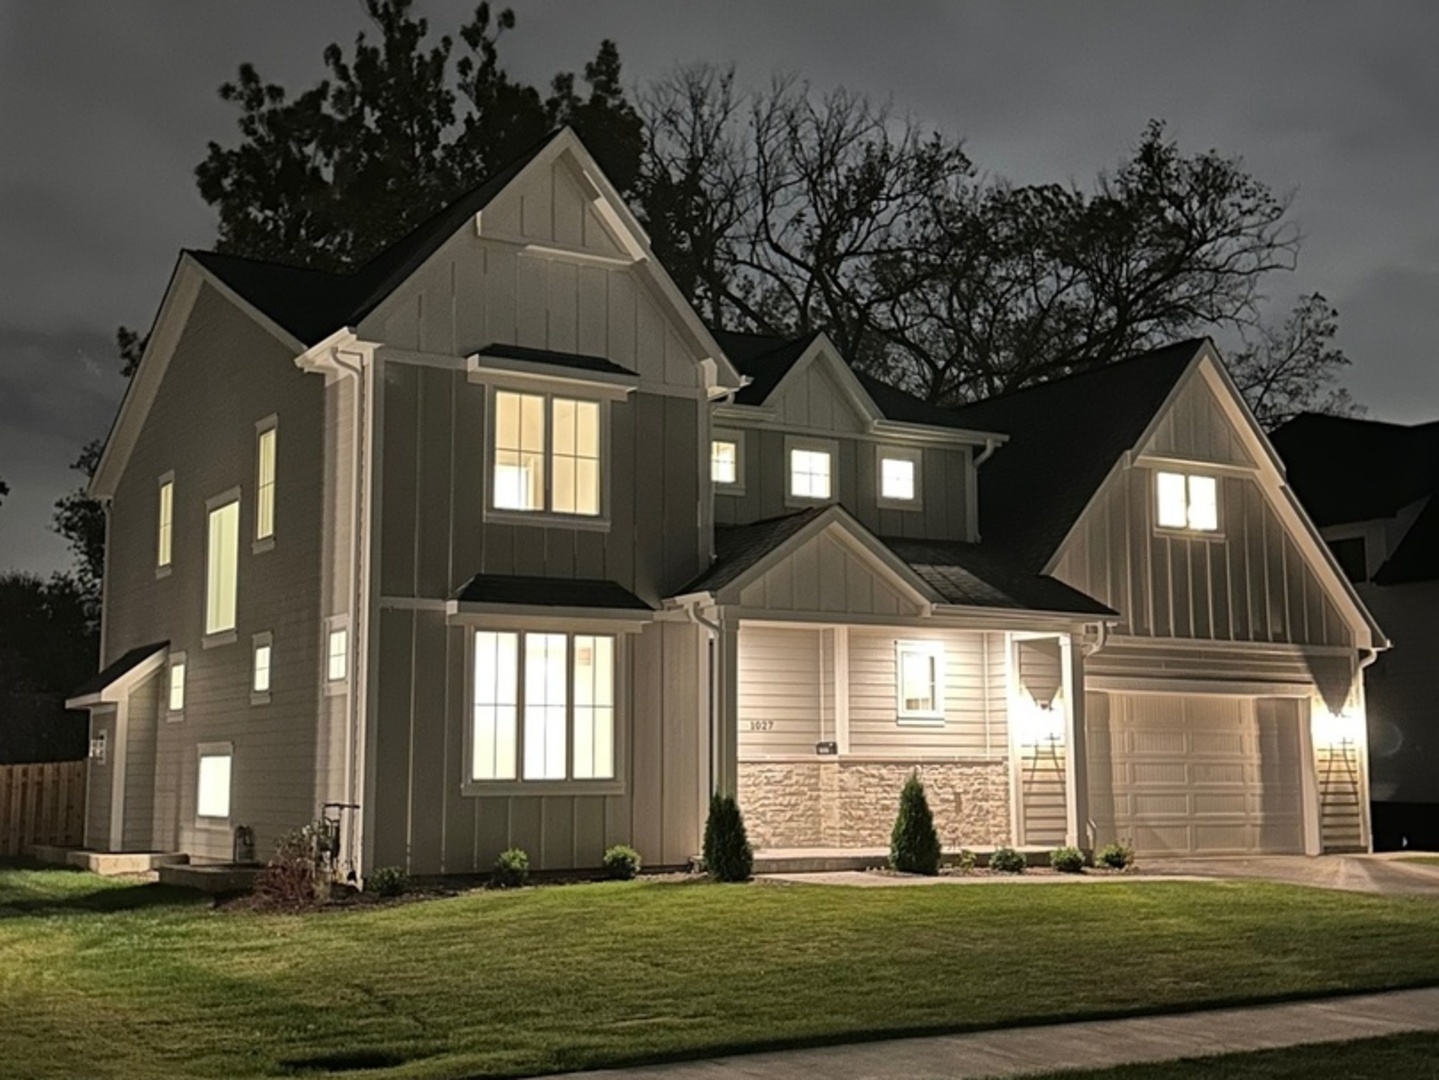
[1387,874]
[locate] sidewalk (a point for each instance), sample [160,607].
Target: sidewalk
[1080,1045]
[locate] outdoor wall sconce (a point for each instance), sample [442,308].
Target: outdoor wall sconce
[1037,724]
[1336,731]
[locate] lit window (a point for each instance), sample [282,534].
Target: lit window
[523,697]
[724,461]
[496,705]
[177,684]
[213,794]
[265,484]
[221,567]
[166,523]
[920,684]
[1187,502]
[576,456]
[260,682]
[809,472]
[897,479]
[337,654]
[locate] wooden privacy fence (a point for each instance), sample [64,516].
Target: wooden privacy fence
[41,804]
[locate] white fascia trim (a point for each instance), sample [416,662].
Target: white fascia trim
[540,617]
[323,356]
[911,432]
[850,386]
[119,690]
[1025,618]
[501,369]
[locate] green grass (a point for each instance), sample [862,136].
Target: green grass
[1391,1057]
[104,979]
[1424,860]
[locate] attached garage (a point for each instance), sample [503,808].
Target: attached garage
[1196,774]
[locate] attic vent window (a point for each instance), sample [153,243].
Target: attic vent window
[1188,502]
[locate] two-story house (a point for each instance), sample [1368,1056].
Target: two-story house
[1371,487]
[494,540]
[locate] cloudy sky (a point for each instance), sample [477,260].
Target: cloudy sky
[105,109]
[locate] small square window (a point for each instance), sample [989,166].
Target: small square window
[899,481]
[1187,502]
[809,474]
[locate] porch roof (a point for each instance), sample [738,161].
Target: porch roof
[95,686]
[549,592]
[972,575]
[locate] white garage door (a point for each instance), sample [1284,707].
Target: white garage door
[1188,775]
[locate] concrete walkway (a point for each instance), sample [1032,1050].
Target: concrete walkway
[1084,1045]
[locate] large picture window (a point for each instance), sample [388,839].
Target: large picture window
[212,796]
[546,454]
[544,706]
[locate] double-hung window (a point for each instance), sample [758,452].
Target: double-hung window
[1187,501]
[546,454]
[919,682]
[165,525]
[265,447]
[544,706]
[175,686]
[727,462]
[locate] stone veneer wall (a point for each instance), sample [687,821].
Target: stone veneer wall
[850,803]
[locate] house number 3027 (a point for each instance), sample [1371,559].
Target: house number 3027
[761,725]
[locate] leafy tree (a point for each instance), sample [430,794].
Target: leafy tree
[47,647]
[397,129]
[81,521]
[1295,367]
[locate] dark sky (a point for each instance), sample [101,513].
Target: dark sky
[105,109]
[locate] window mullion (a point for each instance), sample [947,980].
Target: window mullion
[521,709]
[569,706]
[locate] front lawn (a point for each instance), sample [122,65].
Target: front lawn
[1392,1057]
[1423,860]
[578,976]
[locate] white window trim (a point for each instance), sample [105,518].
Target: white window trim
[215,749]
[266,640]
[162,569]
[176,659]
[736,436]
[333,624]
[919,717]
[259,544]
[825,446]
[229,635]
[914,456]
[588,522]
[1190,531]
[611,786]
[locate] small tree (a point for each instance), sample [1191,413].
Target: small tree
[728,856]
[914,844]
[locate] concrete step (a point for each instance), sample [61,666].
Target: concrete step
[108,863]
[212,878]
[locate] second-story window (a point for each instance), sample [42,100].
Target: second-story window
[899,478]
[724,461]
[166,523]
[222,566]
[546,454]
[1186,501]
[265,480]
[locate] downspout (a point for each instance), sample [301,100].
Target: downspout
[359,626]
[712,632]
[990,446]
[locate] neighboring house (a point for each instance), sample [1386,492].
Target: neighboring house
[1371,487]
[495,539]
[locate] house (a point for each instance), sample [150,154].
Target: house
[1370,487]
[493,543]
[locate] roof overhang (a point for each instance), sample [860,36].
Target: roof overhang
[482,615]
[130,671]
[500,370]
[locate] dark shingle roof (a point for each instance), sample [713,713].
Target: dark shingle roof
[549,592]
[1345,470]
[973,575]
[738,547]
[1065,436]
[562,359]
[311,305]
[120,668]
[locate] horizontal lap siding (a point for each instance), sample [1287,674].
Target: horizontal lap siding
[973,726]
[786,691]
[142,719]
[425,822]
[226,374]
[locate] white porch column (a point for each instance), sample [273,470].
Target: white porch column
[1076,772]
[726,747]
[841,689]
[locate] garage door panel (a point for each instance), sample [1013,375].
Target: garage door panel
[1196,774]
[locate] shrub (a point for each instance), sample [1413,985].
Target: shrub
[292,880]
[1006,860]
[388,881]
[1067,860]
[727,854]
[1118,856]
[622,862]
[966,861]
[512,869]
[913,843]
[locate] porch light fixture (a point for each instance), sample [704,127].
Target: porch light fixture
[1340,730]
[1037,724]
